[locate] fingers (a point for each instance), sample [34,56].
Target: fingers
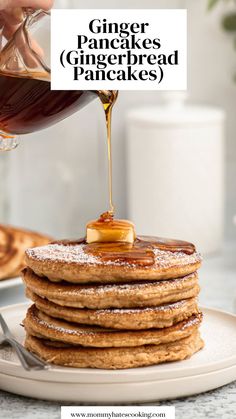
[35,4]
[9,30]
[12,16]
[10,20]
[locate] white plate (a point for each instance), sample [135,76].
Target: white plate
[106,393]
[212,367]
[8,283]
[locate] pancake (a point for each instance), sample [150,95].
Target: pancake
[131,319]
[40,325]
[115,358]
[99,296]
[13,243]
[148,258]
[113,304]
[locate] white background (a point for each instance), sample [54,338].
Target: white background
[167,25]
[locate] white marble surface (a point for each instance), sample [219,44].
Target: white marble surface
[218,282]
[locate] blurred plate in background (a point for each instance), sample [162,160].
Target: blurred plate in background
[8,283]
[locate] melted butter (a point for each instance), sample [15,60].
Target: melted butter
[108,229]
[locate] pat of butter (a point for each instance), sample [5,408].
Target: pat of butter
[110,230]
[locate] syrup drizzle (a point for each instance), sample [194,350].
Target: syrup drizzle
[143,250]
[108,99]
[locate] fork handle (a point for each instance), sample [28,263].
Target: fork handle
[20,354]
[28,360]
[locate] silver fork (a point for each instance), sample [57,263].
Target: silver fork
[27,359]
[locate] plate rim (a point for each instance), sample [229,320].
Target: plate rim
[170,382]
[127,382]
[10,283]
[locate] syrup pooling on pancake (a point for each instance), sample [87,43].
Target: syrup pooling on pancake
[118,252]
[141,252]
[171,245]
[144,251]
[80,262]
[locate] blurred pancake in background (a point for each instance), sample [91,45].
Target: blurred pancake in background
[13,244]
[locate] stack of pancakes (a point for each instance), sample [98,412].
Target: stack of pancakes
[113,306]
[13,244]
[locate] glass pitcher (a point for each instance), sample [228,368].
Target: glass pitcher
[26,102]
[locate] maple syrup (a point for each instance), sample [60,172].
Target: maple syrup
[108,99]
[139,253]
[112,239]
[28,105]
[106,228]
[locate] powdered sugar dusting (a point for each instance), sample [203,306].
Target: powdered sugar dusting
[165,258]
[164,285]
[60,252]
[57,328]
[167,307]
[195,320]
[54,325]
[50,323]
[121,288]
[77,253]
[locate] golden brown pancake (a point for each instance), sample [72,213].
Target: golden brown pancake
[41,325]
[115,358]
[13,244]
[134,319]
[148,258]
[113,305]
[127,295]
